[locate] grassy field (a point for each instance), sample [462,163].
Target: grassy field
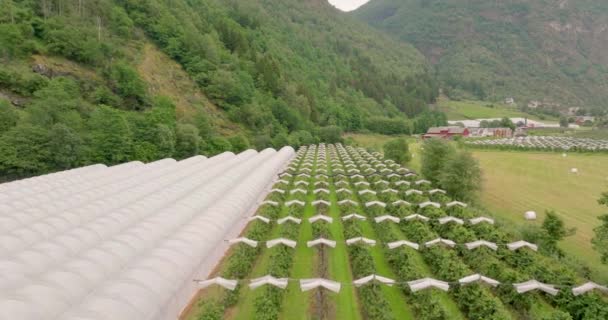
[591,133]
[376,141]
[372,140]
[467,109]
[515,182]
[582,132]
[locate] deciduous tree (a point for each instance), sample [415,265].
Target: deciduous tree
[24,151]
[600,239]
[65,146]
[8,116]
[460,176]
[555,231]
[187,141]
[435,154]
[111,138]
[397,150]
[330,134]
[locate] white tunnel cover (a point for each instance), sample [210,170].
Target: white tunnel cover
[535,285]
[126,242]
[589,286]
[270,280]
[309,284]
[228,284]
[479,278]
[373,277]
[426,283]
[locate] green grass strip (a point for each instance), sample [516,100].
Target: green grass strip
[347,304]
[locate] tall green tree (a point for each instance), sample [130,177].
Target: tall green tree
[24,151]
[563,122]
[600,239]
[11,41]
[507,123]
[435,153]
[66,147]
[111,137]
[58,102]
[187,141]
[555,231]
[268,73]
[165,141]
[217,145]
[460,176]
[330,134]
[239,143]
[8,116]
[397,150]
[230,88]
[280,140]
[125,81]
[301,138]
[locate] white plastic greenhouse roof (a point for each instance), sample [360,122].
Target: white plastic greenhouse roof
[124,242]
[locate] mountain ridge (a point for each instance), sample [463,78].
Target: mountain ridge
[145,80]
[530,50]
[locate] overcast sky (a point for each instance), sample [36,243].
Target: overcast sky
[347,5]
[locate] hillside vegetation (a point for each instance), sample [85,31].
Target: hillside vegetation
[546,50]
[117,80]
[474,109]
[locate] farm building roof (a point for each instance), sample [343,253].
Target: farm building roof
[450,129]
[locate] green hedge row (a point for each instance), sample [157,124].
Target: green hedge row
[375,305]
[511,267]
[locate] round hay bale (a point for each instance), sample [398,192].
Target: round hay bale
[574,170]
[530,215]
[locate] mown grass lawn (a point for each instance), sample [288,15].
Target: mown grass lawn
[468,109]
[371,140]
[461,110]
[515,182]
[347,305]
[297,303]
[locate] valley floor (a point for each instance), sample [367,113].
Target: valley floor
[515,182]
[300,195]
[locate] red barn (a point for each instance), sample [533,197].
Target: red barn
[446,132]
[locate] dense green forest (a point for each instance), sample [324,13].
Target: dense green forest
[75,89]
[552,51]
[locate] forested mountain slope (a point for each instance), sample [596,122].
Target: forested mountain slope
[527,49]
[117,80]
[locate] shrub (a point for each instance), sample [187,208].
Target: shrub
[125,81]
[397,150]
[389,126]
[330,134]
[8,116]
[187,141]
[239,143]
